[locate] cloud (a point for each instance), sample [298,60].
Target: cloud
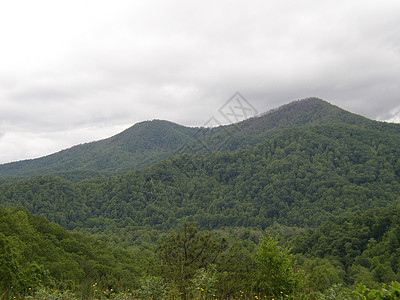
[71,65]
[392,116]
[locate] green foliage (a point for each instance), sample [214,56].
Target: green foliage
[35,253]
[322,274]
[151,287]
[204,282]
[299,177]
[309,171]
[359,248]
[187,251]
[148,142]
[8,263]
[361,292]
[235,268]
[385,292]
[49,293]
[136,147]
[276,274]
[335,292]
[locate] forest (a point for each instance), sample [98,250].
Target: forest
[299,203]
[349,257]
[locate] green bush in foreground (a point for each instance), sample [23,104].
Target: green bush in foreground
[361,292]
[276,275]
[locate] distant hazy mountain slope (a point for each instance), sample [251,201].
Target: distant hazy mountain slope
[306,112]
[151,141]
[137,146]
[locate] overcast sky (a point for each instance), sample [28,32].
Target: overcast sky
[76,71]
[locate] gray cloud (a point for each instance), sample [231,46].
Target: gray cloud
[71,71]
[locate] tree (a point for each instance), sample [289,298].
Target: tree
[186,251]
[8,264]
[322,274]
[275,274]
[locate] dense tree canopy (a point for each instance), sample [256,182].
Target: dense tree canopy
[326,181]
[35,252]
[299,177]
[363,246]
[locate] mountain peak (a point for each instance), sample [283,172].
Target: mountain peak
[305,112]
[150,141]
[309,110]
[311,102]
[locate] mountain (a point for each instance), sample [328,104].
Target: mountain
[298,177]
[306,112]
[325,180]
[148,142]
[137,146]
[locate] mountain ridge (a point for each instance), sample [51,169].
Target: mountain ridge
[96,159]
[299,177]
[324,179]
[147,142]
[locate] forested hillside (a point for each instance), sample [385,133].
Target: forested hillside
[40,259]
[298,177]
[35,253]
[148,142]
[306,112]
[138,146]
[301,202]
[359,248]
